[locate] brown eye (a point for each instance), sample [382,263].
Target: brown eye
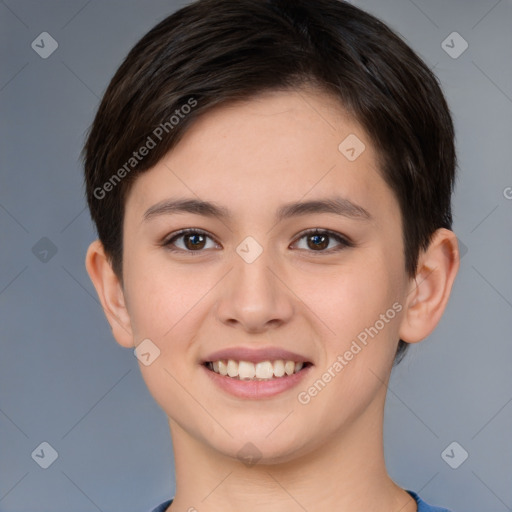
[193,240]
[319,240]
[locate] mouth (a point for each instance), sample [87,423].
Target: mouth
[256,371]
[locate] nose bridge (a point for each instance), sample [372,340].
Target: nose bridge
[253,296]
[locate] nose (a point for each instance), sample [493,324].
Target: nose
[255,297]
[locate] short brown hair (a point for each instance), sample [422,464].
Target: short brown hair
[216,51]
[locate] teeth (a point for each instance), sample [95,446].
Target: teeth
[246,370]
[264,370]
[278,368]
[289,367]
[223,368]
[232,368]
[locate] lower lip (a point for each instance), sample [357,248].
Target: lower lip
[256,389]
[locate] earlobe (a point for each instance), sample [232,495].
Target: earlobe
[110,293]
[430,289]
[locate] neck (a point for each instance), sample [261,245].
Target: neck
[345,472]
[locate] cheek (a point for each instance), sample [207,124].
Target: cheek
[166,307]
[358,308]
[158,293]
[161,299]
[361,306]
[351,297]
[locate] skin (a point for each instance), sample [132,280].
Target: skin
[251,157]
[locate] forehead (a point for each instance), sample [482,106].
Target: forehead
[278,147]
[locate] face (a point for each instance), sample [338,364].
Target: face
[297,257]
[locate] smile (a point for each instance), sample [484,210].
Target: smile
[260,371]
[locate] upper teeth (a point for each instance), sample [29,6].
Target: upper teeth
[246,370]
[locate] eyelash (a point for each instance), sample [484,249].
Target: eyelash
[344,242]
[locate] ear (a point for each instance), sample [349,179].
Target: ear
[110,293]
[430,289]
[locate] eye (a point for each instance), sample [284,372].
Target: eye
[318,240]
[194,240]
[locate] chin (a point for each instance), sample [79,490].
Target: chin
[256,447]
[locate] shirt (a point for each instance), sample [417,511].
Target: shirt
[422,506]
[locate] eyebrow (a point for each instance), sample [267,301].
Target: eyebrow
[336,205]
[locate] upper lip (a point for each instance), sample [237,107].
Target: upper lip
[253,355]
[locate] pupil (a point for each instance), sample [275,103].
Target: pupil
[195,240]
[317,241]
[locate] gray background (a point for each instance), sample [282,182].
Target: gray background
[64,380]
